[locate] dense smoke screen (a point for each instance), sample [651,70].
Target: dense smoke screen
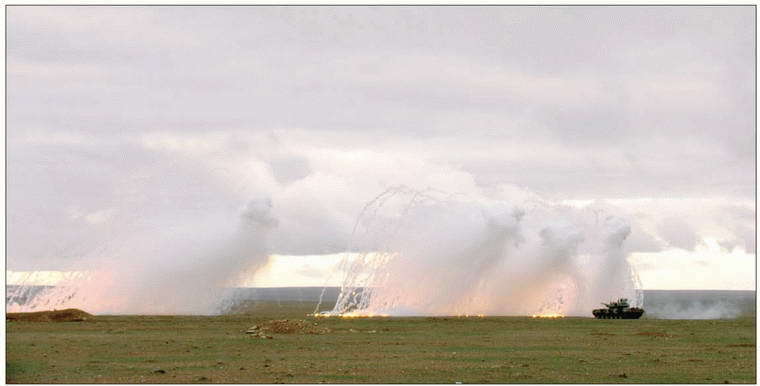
[420,252]
[438,254]
[167,272]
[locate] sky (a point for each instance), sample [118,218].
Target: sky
[135,131]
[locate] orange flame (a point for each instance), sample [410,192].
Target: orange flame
[550,315]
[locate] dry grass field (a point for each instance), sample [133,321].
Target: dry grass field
[217,349]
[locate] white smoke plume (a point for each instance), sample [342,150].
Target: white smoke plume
[421,253]
[437,254]
[172,273]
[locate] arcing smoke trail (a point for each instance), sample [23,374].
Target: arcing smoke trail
[433,254]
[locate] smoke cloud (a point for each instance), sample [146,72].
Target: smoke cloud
[700,304]
[185,272]
[436,254]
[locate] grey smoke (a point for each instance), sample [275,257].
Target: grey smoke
[699,304]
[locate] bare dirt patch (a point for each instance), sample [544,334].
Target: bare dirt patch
[67,315]
[288,326]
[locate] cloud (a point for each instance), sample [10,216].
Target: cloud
[153,119]
[678,233]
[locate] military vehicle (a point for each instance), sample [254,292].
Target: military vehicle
[618,310]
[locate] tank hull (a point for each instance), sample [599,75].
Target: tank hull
[602,313]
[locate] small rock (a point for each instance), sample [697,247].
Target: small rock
[623,375]
[159,371]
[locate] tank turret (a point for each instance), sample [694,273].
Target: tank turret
[619,309]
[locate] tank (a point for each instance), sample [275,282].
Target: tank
[618,310]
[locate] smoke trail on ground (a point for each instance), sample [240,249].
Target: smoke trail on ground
[438,254]
[699,304]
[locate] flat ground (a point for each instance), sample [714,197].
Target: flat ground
[215,349]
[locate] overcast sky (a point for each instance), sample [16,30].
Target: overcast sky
[122,119]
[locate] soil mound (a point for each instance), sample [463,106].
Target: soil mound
[67,315]
[285,326]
